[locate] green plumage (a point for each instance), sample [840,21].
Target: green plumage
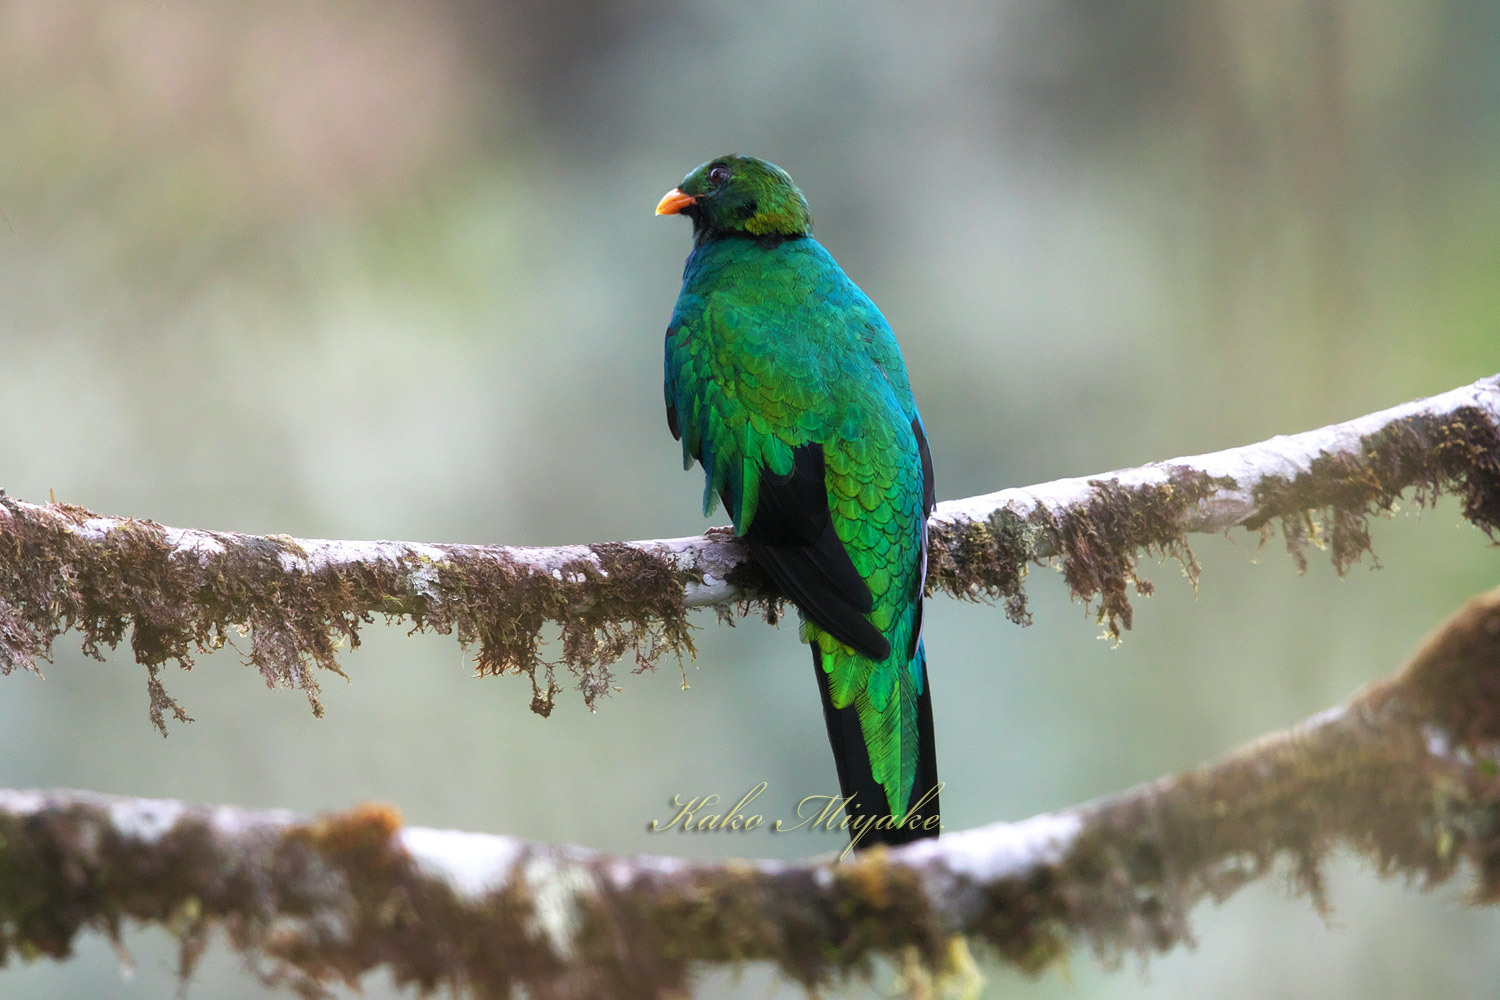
[785,382]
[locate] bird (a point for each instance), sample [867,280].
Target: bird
[785,383]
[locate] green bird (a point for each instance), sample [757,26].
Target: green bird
[785,382]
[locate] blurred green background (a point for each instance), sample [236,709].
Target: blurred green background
[363,270]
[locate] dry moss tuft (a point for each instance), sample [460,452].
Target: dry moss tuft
[1098,544]
[59,572]
[1407,775]
[1457,453]
[985,560]
[62,567]
[629,602]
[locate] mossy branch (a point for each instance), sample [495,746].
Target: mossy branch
[179,592]
[1406,774]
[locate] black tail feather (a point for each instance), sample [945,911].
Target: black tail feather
[863,797]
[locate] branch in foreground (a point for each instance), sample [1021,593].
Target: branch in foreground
[1407,774]
[181,591]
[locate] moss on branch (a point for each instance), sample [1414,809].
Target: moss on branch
[1455,453]
[178,593]
[1407,774]
[1098,540]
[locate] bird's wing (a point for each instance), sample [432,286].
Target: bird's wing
[755,413]
[792,537]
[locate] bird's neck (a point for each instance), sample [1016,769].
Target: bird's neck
[716,250]
[703,235]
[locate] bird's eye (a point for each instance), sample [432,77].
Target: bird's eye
[718,175]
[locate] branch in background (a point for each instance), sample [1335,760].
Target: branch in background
[1337,475]
[180,592]
[1407,774]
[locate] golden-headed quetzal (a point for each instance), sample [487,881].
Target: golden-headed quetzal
[785,382]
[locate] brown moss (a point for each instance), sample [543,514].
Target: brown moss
[819,928]
[984,560]
[623,601]
[1098,544]
[1457,453]
[176,606]
[1406,775]
[1447,681]
[629,603]
[364,832]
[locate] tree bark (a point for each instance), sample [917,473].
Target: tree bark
[1406,774]
[181,591]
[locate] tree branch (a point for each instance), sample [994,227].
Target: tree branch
[182,591]
[1407,774]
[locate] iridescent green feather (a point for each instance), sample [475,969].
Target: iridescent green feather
[772,347]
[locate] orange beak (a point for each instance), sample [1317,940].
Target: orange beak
[673,202]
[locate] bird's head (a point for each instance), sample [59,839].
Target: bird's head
[739,194]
